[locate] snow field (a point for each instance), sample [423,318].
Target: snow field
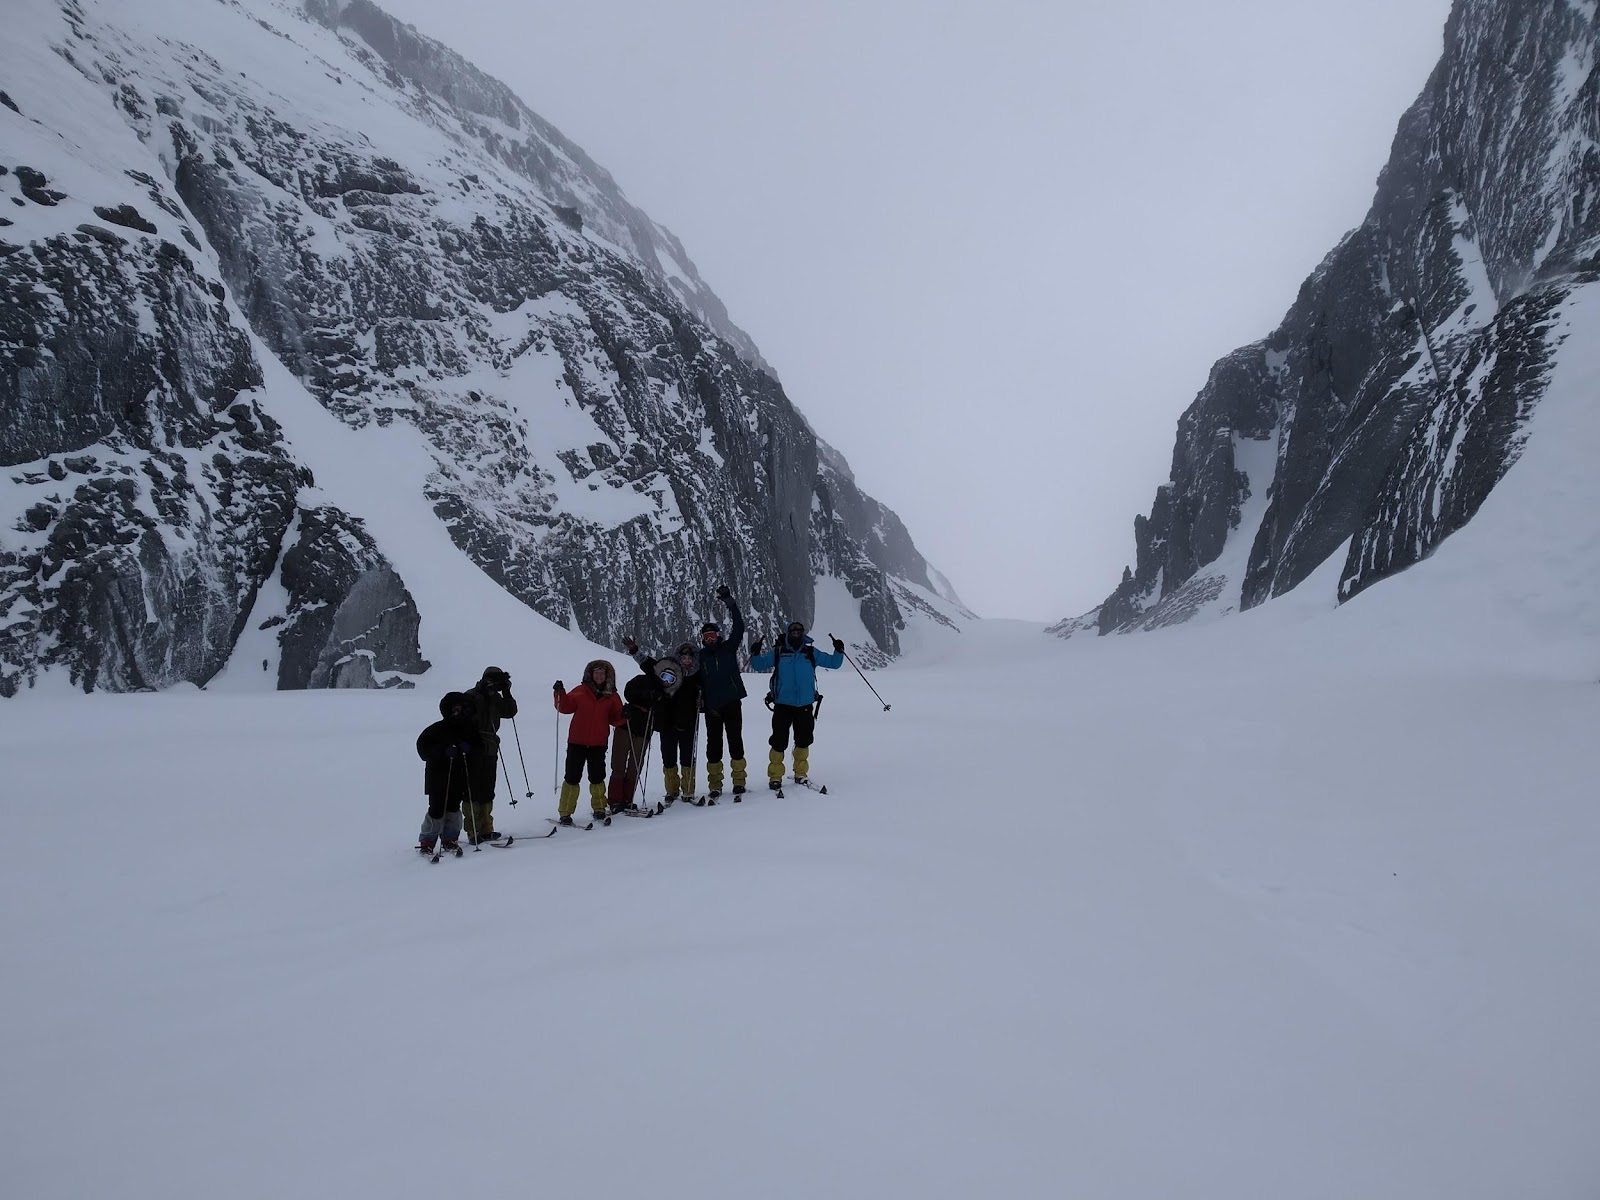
[1165,915]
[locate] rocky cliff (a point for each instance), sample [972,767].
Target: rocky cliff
[198,191]
[1372,423]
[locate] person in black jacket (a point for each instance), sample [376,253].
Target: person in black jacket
[630,742]
[489,701]
[677,717]
[447,747]
[724,693]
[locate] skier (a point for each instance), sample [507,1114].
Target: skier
[596,710]
[630,744]
[793,663]
[677,716]
[490,701]
[723,696]
[448,747]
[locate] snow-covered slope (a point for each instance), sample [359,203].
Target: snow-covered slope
[1395,395]
[217,209]
[1065,903]
[1305,898]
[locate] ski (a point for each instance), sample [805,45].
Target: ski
[510,839]
[590,824]
[433,853]
[820,788]
[642,813]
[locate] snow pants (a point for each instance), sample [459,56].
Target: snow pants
[579,757]
[444,808]
[729,717]
[446,825]
[628,753]
[802,719]
[677,759]
[479,819]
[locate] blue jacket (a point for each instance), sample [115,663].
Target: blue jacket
[796,682]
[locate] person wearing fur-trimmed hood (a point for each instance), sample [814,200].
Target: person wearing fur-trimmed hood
[596,710]
[677,715]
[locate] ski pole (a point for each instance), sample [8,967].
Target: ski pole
[528,792]
[643,761]
[444,807]
[864,678]
[555,760]
[472,817]
[507,772]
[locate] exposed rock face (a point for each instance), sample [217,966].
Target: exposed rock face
[148,492]
[350,622]
[1395,392]
[315,182]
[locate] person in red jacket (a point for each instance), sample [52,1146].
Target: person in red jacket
[596,710]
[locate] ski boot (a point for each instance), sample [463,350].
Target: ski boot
[565,820]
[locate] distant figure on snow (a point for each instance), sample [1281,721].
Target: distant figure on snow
[677,716]
[630,744]
[490,701]
[723,696]
[596,710]
[793,663]
[448,747]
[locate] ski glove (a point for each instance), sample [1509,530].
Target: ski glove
[631,646]
[559,687]
[724,594]
[755,646]
[838,646]
[459,750]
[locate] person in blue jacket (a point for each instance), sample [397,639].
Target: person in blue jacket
[793,663]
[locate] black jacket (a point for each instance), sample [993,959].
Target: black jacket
[642,696]
[487,708]
[719,664]
[681,710]
[433,747]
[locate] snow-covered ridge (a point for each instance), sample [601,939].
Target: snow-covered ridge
[221,211]
[1398,388]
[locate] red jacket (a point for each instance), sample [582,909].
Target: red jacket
[593,715]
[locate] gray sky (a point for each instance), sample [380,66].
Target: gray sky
[991,248]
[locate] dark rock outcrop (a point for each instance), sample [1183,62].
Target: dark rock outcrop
[153,490]
[1397,388]
[350,621]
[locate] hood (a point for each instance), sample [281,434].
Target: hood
[669,674]
[610,684]
[455,698]
[693,665]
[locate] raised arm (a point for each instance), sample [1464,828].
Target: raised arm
[831,662]
[761,660]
